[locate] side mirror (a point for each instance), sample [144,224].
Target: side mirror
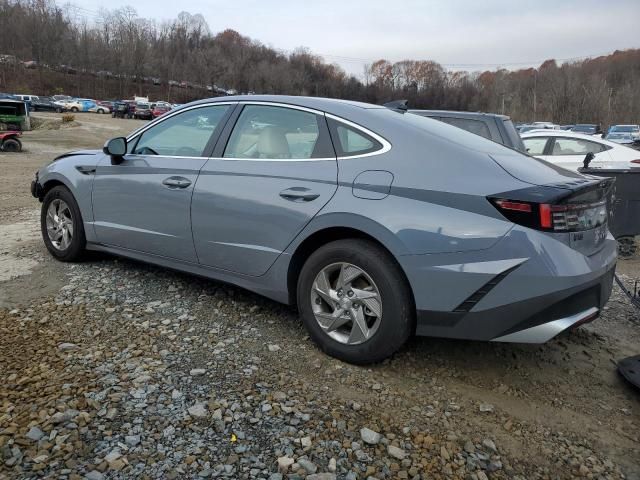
[587,159]
[116,148]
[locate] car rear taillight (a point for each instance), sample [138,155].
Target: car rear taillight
[571,217]
[636,161]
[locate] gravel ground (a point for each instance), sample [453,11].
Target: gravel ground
[114,369]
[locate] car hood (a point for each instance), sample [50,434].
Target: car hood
[76,153]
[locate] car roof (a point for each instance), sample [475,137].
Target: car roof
[457,113]
[330,105]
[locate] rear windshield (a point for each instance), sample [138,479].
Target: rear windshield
[584,128]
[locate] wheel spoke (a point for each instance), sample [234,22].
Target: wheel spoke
[322,288]
[370,299]
[348,273]
[332,321]
[359,329]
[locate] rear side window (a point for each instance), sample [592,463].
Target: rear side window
[535,145]
[350,141]
[575,146]
[278,133]
[473,126]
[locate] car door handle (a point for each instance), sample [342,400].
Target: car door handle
[176,182]
[299,194]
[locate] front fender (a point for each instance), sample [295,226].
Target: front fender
[76,172]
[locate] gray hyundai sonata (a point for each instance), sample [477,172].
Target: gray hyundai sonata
[377,224]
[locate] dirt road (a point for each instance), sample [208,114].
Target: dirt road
[114,369]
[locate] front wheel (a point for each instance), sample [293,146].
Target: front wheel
[61,225]
[12,145]
[355,302]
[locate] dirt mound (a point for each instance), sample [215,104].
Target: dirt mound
[49,123]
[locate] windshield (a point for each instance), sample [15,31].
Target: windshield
[624,128]
[584,128]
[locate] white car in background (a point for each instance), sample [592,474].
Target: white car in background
[568,150]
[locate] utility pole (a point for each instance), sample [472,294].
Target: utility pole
[535,94]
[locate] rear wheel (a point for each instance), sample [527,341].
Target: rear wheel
[627,246]
[12,145]
[61,225]
[355,302]
[74,109]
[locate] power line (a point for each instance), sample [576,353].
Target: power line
[475,65]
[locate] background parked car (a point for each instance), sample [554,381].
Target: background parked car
[568,150]
[623,138]
[160,110]
[633,130]
[498,128]
[143,111]
[101,107]
[122,109]
[45,104]
[587,129]
[80,105]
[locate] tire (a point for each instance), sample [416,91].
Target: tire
[75,249]
[11,145]
[100,111]
[74,109]
[380,274]
[58,110]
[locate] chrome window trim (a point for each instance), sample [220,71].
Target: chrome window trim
[281,105]
[386,145]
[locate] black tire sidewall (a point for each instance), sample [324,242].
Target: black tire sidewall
[78,242]
[397,306]
[12,141]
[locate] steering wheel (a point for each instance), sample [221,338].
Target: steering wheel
[146,151]
[187,152]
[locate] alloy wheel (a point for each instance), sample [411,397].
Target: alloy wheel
[346,303]
[59,224]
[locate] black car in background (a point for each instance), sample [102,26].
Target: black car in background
[45,104]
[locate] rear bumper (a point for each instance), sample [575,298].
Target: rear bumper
[527,288]
[535,320]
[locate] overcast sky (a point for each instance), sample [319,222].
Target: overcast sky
[460,34]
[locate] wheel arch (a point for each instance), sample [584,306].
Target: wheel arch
[322,236]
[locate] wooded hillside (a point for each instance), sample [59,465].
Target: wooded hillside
[119,54]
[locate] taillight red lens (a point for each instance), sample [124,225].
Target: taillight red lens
[636,161]
[545,216]
[515,206]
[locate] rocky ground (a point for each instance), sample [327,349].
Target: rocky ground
[112,369]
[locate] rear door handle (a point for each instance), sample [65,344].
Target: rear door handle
[176,182]
[299,194]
